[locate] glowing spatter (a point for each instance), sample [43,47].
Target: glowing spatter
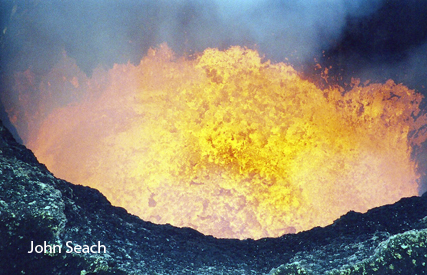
[233,146]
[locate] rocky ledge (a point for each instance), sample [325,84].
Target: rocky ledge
[50,226]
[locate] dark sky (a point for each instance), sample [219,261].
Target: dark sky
[370,39]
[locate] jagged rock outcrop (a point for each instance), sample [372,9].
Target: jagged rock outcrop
[36,207]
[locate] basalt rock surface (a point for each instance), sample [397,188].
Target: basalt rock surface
[37,207]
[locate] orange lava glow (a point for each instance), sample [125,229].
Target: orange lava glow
[224,143]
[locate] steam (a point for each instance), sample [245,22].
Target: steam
[296,30]
[107,32]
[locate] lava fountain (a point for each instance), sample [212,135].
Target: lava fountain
[223,142]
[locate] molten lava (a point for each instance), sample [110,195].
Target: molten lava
[224,143]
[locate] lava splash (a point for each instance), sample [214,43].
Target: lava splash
[223,142]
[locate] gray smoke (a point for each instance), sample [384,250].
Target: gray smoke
[105,32]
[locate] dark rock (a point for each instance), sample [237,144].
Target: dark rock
[37,207]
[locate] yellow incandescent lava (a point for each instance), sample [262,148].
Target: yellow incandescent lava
[228,144]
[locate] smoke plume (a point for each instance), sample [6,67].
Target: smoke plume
[106,32]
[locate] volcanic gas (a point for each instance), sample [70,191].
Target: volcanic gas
[223,142]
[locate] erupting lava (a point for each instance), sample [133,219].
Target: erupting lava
[224,143]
